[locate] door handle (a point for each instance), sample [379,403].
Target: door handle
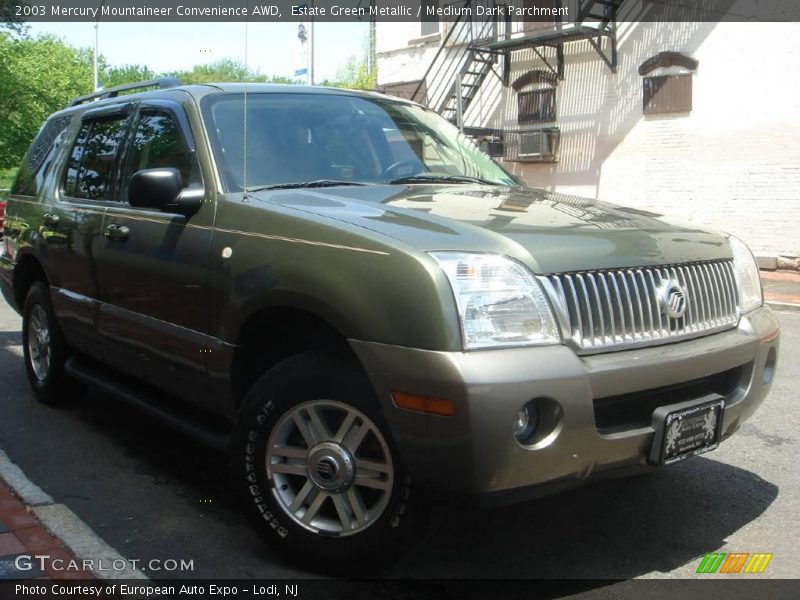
[50,220]
[116,233]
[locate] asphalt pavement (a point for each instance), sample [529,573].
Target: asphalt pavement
[152,494]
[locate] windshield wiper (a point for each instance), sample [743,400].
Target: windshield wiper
[303,184]
[442,179]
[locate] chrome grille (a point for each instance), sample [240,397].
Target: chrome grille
[612,309]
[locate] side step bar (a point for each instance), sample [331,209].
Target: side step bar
[182,421]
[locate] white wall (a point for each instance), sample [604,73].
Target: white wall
[732,163]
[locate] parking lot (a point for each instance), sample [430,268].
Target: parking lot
[153,494]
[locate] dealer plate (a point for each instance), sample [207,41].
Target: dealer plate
[686,431]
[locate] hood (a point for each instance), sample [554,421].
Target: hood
[548,231]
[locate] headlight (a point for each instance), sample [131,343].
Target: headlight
[747,277]
[499,301]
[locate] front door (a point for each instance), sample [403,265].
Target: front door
[153,266]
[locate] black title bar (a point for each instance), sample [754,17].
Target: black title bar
[559,12]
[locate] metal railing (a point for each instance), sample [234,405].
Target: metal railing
[453,57]
[615,309]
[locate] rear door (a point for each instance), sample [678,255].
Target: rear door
[153,266]
[72,219]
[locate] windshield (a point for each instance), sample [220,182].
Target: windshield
[295,138]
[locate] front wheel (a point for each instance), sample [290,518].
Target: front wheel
[319,469]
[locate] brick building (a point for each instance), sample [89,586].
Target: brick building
[698,120]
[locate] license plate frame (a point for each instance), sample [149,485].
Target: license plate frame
[687,429]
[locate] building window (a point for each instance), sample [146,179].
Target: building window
[665,94]
[667,83]
[536,97]
[536,106]
[429,25]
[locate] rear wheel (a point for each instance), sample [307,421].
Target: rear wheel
[45,349]
[319,470]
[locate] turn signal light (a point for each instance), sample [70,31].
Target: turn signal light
[426,404]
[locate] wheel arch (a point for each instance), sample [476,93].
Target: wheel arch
[273,333]
[27,271]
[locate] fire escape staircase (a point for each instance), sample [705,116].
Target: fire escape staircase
[474,48]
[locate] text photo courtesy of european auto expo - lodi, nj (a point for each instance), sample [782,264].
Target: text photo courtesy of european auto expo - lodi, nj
[390,297]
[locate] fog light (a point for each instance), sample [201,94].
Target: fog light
[526,423]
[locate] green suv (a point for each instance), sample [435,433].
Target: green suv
[343,292]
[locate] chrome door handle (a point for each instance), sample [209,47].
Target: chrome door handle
[50,220]
[116,233]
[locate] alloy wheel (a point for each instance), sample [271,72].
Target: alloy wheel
[330,468]
[38,339]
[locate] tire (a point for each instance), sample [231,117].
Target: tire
[324,496]
[45,350]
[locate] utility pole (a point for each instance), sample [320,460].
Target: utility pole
[311,47]
[95,78]
[95,58]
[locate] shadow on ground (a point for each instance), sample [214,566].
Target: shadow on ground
[615,529]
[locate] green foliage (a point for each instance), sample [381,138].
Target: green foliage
[39,76]
[226,71]
[356,74]
[113,76]
[6,178]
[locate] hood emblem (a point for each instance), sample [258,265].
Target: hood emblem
[673,300]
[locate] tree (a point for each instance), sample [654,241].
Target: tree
[9,20]
[356,74]
[225,71]
[113,76]
[40,75]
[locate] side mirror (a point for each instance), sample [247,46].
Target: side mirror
[154,188]
[162,189]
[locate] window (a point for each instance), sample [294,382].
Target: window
[429,25]
[669,89]
[158,143]
[39,157]
[537,106]
[665,94]
[90,165]
[293,138]
[538,15]
[536,97]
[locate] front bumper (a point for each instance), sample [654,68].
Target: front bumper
[475,452]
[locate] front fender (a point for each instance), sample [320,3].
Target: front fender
[367,286]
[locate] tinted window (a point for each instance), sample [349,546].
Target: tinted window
[158,143]
[90,167]
[39,157]
[74,160]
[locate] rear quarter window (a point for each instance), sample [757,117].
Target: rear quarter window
[37,161]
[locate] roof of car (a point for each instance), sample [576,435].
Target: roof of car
[110,96]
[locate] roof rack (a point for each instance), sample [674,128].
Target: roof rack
[162,84]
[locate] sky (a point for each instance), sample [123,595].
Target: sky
[272,48]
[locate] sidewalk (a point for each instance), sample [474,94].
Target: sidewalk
[41,539]
[781,289]
[25,543]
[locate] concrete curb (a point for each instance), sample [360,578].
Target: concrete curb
[790,306]
[64,524]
